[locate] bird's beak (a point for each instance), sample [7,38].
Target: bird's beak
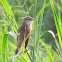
[35,19]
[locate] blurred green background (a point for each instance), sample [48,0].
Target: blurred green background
[46,38]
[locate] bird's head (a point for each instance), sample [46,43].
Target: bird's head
[28,20]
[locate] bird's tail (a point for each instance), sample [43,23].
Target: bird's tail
[16,51]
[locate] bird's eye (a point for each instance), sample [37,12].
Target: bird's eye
[29,19]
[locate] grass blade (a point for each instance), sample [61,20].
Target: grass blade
[34,39]
[58,24]
[4,46]
[56,42]
[40,21]
[10,14]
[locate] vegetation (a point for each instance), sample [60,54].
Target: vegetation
[46,37]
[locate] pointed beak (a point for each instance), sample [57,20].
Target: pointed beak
[35,19]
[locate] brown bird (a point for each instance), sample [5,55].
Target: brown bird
[24,32]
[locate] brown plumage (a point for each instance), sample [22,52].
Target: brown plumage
[24,31]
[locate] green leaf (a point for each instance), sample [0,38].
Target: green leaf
[10,14]
[58,24]
[4,46]
[52,33]
[19,59]
[24,60]
[40,21]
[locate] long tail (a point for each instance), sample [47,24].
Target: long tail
[16,51]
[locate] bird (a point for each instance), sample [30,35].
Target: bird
[24,32]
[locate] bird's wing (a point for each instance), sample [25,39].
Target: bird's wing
[26,42]
[20,38]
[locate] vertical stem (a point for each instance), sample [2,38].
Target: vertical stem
[39,29]
[34,44]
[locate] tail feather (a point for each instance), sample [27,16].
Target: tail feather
[16,51]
